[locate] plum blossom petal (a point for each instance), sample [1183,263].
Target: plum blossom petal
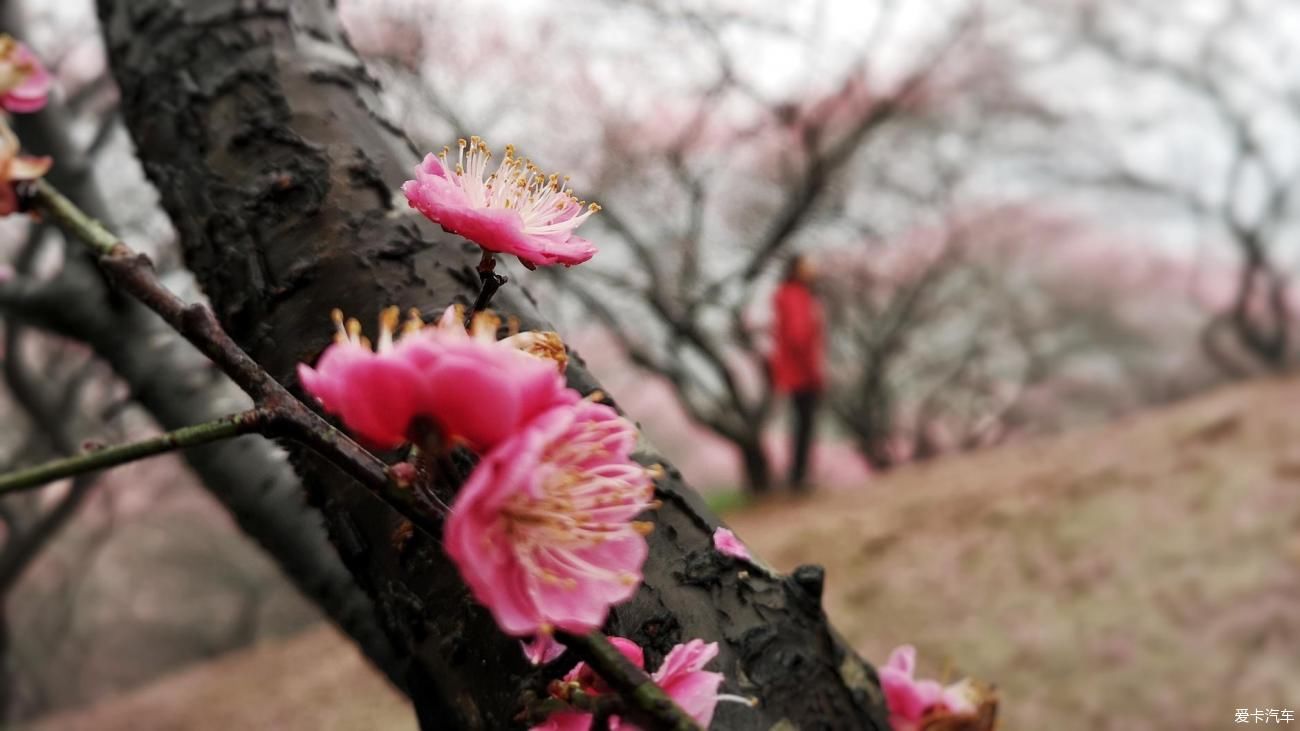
[567,721]
[24,81]
[728,544]
[913,703]
[542,649]
[472,390]
[684,679]
[543,531]
[515,210]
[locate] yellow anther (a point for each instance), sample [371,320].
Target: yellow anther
[643,527]
[389,317]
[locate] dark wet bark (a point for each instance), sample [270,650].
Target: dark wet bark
[255,123]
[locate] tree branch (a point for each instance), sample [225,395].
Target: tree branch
[192,436]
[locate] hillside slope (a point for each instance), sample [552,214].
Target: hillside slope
[1142,575]
[314,681]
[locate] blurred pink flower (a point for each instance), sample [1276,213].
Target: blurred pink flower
[543,529]
[911,701]
[24,82]
[728,544]
[542,649]
[684,679]
[682,676]
[583,678]
[473,391]
[516,210]
[15,167]
[6,273]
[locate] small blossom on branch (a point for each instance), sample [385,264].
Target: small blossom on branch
[544,529]
[681,675]
[472,390]
[726,543]
[918,705]
[515,209]
[24,82]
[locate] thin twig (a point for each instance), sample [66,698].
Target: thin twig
[191,436]
[134,274]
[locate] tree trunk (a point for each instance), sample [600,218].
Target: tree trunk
[256,123]
[757,467]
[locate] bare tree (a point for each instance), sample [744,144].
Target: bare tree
[1230,118]
[793,176]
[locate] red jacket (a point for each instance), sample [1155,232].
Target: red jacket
[797,360]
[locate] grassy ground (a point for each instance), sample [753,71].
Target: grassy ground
[1144,575]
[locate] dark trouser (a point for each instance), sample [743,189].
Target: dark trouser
[801,435]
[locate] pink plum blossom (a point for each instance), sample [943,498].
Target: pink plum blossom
[542,649]
[473,391]
[728,544]
[684,679]
[681,675]
[585,679]
[911,702]
[484,326]
[543,531]
[24,82]
[15,167]
[516,210]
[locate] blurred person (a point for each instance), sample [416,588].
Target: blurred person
[797,358]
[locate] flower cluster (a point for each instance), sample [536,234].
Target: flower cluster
[24,88]
[544,531]
[472,389]
[514,209]
[918,705]
[681,675]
